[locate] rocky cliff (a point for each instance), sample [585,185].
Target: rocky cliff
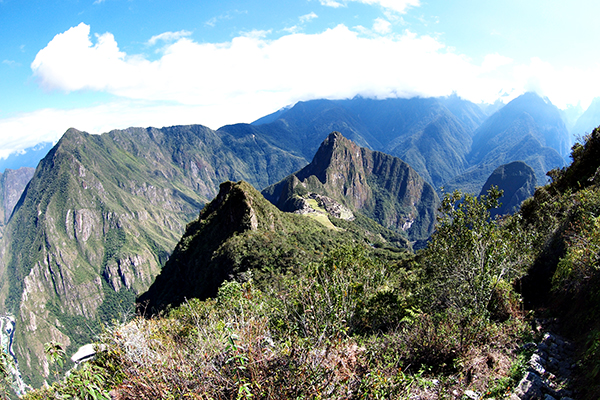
[375,184]
[12,185]
[518,182]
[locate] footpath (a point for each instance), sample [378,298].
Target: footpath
[550,369]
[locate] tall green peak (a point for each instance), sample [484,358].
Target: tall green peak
[378,185]
[101,215]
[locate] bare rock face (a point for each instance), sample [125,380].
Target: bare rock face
[518,182]
[378,185]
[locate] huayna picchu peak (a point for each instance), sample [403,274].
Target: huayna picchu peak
[380,186]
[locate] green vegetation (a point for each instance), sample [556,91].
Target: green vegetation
[355,322]
[566,273]
[381,187]
[240,231]
[105,209]
[256,303]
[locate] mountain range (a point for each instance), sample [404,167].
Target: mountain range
[103,213]
[12,185]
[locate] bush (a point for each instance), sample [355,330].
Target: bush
[470,254]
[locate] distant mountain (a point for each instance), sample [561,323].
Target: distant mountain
[589,120]
[100,217]
[528,129]
[240,231]
[12,185]
[432,134]
[378,185]
[518,182]
[29,157]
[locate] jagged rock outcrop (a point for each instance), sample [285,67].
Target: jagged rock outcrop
[378,185]
[241,231]
[518,182]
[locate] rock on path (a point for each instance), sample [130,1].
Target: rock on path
[549,370]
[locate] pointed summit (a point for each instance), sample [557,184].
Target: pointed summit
[375,184]
[241,231]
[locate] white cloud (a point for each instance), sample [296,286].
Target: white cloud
[308,17]
[399,6]
[214,84]
[331,3]
[562,86]
[494,61]
[335,63]
[382,26]
[168,37]
[11,63]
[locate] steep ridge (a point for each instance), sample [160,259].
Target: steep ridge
[518,182]
[99,218]
[378,185]
[241,231]
[528,129]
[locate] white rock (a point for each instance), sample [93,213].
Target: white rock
[84,353]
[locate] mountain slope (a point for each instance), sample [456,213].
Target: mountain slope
[241,231]
[588,120]
[100,217]
[518,182]
[527,129]
[12,185]
[375,184]
[545,124]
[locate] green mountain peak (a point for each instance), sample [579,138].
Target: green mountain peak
[378,185]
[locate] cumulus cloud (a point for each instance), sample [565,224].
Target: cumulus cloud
[214,84]
[336,63]
[399,6]
[168,37]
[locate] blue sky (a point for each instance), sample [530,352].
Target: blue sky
[98,65]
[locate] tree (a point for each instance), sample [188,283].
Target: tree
[55,353]
[470,255]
